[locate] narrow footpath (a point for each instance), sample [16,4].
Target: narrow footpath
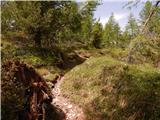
[72,111]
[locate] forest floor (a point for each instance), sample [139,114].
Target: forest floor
[96,77]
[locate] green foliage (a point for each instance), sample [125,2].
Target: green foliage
[153,24]
[49,23]
[131,31]
[86,10]
[40,20]
[97,35]
[125,39]
[143,49]
[145,12]
[45,33]
[132,27]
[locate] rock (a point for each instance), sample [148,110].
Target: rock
[69,106]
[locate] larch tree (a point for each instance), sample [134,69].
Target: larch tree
[111,32]
[132,26]
[87,20]
[150,17]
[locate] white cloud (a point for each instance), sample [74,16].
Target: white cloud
[104,20]
[117,17]
[118,0]
[120,16]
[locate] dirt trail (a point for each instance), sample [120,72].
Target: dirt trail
[72,111]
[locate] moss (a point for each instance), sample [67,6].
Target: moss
[110,89]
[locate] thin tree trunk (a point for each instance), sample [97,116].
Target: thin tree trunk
[150,15]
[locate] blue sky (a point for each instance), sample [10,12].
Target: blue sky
[121,14]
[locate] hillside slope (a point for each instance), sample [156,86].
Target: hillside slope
[108,89]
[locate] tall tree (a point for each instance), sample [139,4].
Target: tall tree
[87,9]
[42,21]
[132,26]
[97,34]
[111,32]
[117,32]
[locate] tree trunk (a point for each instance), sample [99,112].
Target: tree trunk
[37,39]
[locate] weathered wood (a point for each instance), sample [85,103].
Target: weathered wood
[35,87]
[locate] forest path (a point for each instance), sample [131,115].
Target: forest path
[72,111]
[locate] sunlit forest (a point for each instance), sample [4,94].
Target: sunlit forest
[59,62]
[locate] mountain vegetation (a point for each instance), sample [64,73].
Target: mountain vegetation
[110,72]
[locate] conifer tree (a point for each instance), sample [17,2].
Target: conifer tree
[111,33]
[132,27]
[97,34]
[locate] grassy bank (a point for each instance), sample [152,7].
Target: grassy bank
[108,89]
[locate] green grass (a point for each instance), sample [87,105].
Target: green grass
[109,89]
